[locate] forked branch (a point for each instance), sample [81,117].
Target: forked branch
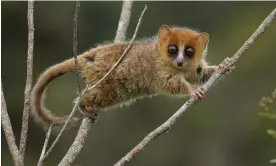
[18,154]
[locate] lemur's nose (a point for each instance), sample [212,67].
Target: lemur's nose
[179,63]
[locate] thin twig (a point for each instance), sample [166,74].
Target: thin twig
[124,21]
[217,75]
[47,137]
[125,51]
[75,43]
[6,123]
[77,145]
[75,108]
[29,80]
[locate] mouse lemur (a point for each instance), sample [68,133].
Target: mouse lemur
[170,63]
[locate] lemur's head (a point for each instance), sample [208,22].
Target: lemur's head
[182,47]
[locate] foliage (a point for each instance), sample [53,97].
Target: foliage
[268,111]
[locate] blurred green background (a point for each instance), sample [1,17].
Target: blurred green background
[222,130]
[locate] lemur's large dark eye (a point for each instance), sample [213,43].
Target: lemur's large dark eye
[189,51]
[173,49]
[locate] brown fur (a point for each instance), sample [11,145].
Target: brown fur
[145,70]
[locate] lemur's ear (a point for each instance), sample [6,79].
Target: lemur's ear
[164,33]
[202,39]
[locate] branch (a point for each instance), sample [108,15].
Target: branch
[78,142]
[29,80]
[6,123]
[224,67]
[124,21]
[77,145]
[47,137]
[75,43]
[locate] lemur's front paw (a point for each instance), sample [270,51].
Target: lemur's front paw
[89,112]
[198,94]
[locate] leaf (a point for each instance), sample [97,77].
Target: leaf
[267,115]
[272,161]
[271,132]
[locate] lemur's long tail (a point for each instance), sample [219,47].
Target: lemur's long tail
[38,110]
